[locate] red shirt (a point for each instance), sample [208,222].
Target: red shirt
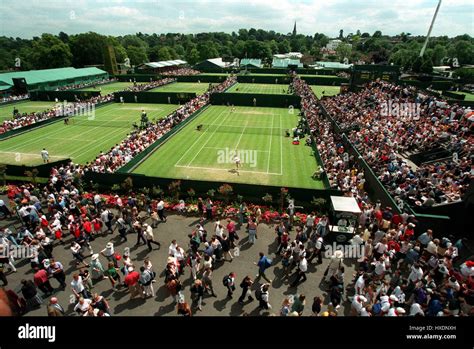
[87,227]
[396,219]
[393,245]
[231,227]
[40,277]
[132,278]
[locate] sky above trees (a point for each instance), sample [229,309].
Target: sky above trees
[28,18]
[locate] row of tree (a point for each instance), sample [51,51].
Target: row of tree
[62,50]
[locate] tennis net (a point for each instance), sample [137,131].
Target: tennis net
[257,130]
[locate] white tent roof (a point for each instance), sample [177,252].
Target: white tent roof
[345,204]
[162,64]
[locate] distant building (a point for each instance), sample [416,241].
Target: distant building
[286,62]
[294,30]
[250,63]
[214,63]
[161,66]
[290,55]
[332,45]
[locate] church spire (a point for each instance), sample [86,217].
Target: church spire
[294,30]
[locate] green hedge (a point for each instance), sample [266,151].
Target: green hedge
[453,95]
[250,192]
[323,80]
[137,77]
[263,79]
[262,100]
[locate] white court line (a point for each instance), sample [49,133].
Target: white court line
[226,169]
[270,147]
[240,138]
[33,141]
[197,140]
[222,148]
[281,150]
[212,134]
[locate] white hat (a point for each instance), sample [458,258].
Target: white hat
[95,256]
[109,245]
[130,269]
[338,254]
[46,263]
[394,298]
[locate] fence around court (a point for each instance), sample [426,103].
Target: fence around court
[325,80]
[264,79]
[154,97]
[137,77]
[44,170]
[69,95]
[261,100]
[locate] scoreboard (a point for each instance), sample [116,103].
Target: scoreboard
[362,74]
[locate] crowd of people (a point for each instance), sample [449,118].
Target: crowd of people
[86,84]
[20,120]
[426,123]
[138,140]
[180,72]
[14,98]
[340,168]
[140,87]
[400,271]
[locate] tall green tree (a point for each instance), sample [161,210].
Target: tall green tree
[50,52]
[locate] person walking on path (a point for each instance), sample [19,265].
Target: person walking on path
[301,272]
[245,285]
[229,282]
[263,264]
[149,237]
[54,308]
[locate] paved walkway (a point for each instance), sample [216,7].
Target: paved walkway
[178,227]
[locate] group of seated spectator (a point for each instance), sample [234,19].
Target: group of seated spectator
[14,98]
[180,72]
[382,137]
[86,84]
[340,167]
[149,85]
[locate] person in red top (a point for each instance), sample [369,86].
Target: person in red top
[97,223]
[396,219]
[41,280]
[393,245]
[378,216]
[87,226]
[409,232]
[131,280]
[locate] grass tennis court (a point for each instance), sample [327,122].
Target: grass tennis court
[108,88]
[184,87]
[469,96]
[258,134]
[6,111]
[83,139]
[328,90]
[274,89]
